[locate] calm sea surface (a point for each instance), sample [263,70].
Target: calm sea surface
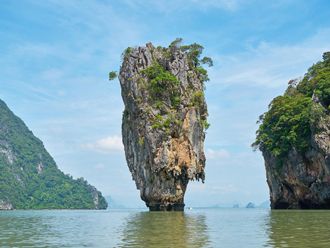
[193,228]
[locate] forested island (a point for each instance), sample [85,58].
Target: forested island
[294,137]
[30,178]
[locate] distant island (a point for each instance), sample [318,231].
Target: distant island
[29,177]
[294,137]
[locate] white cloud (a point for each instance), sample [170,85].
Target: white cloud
[217,154]
[109,144]
[268,64]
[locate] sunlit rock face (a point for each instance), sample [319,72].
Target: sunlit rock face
[163,123]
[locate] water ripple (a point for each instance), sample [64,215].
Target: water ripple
[198,228]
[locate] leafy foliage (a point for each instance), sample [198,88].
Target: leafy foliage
[126,52]
[29,177]
[290,119]
[202,73]
[166,123]
[162,84]
[205,124]
[317,81]
[207,60]
[285,125]
[198,98]
[112,75]
[194,52]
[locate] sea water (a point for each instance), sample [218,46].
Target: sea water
[139,228]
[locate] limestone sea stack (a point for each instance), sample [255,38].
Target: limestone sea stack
[294,137]
[164,120]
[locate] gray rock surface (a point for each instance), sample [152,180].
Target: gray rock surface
[303,181]
[4,205]
[163,143]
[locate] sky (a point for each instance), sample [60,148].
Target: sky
[56,56]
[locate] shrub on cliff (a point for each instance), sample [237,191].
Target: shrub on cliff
[162,83]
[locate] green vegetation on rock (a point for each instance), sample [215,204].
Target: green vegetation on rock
[194,52]
[164,87]
[291,118]
[29,177]
[317,81]
[197,98]
[112,75]
[162,83]
[126,52]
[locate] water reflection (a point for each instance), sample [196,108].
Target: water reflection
[299,229]
[229,228]
[161,229]
[55,229]
[20,230]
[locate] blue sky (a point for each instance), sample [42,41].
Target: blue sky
[56,55]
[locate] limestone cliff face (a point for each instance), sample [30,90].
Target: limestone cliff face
[5,205]
[163,123]
[294,137]
[303,181]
